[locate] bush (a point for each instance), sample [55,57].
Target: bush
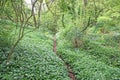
[6,28]
[74,36]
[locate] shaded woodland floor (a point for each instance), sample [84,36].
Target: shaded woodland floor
[34,58]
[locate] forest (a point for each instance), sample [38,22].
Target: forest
[59,39]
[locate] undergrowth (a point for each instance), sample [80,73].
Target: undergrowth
[86,68]
[33,59]
[93,60]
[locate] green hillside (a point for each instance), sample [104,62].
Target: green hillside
[59,39]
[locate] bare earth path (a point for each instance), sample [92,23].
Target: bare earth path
[70,72]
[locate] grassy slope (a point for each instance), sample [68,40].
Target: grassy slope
[33,59]
[93,62]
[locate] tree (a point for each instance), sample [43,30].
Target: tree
[84,15]
[18,14]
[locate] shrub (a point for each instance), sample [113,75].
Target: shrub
[6,28]
[74,36]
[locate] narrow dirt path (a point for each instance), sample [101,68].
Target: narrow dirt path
[70,72]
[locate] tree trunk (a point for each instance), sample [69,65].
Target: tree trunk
[54,44]
[12,49]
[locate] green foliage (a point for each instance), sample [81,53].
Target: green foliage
[75,36]
[97,59]
[63,6]
[72,35]
[6,28]
[32,59]
[112,40]
[85,67]
[108,55]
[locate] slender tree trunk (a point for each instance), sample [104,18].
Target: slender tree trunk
[63,24]
[39,11]
[54,44]
[12,49]
[85,2]
[33,12]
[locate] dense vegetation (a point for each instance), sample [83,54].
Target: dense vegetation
[58,39]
